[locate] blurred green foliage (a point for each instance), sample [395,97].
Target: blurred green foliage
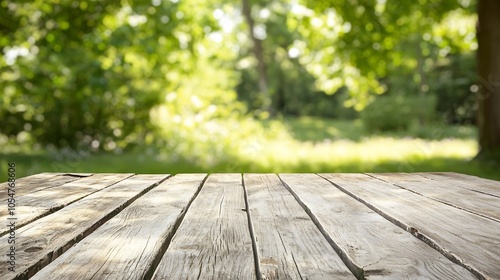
[81,73]
[180,78]
[398,112]
[308,145]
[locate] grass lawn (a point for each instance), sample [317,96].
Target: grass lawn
[311,145]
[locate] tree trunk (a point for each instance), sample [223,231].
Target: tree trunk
[259,55]
[488,97]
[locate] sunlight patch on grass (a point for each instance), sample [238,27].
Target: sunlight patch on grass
[297,145]
[279,154]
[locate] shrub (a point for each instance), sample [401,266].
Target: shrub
[398,112]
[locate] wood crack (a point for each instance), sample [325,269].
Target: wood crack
[296,266]
[77,175]
[282,242]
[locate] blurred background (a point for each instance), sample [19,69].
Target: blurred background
[152,86]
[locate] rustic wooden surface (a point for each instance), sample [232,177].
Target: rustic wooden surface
[33,183]
[213,241]
[286,237]
[453,194]
[130,242]
[41,241]
[371,244]
[473,183]
[254,226]
[466,238]
[33,205]
[41,181]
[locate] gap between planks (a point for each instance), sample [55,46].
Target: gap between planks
[213,241]
[252,234]
[176,226]
[41,203]
[157,214]
[473,183]
[36,182]
[406,225]
[477,203]
[41,245]
[370,246]
[286,238]
[250,228]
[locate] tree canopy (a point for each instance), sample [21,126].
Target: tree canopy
[110,74]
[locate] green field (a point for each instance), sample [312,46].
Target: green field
[304,145]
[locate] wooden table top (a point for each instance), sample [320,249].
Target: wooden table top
[252,226]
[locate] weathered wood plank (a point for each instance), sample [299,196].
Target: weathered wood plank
[34,205]
[37,182]
[369,244]
[213,241]
[43,240]
[289,244]
[128,245]
[446,191]
[62,195]
[34,178]
[466,238]
[470,182]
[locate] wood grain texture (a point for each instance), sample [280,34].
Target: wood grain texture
[33,178]
[289,244]
[127,246]
[32,206]
[38,182]
[466,238]
[43,240]
[446,191]
[474,183]
[370,245]
[213,241]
